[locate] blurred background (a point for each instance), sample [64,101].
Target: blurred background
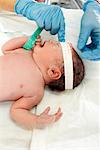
[69,4]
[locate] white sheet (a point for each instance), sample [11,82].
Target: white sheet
[78,129]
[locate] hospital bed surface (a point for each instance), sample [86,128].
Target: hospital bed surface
[78,129]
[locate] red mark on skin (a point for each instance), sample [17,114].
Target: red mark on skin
[21,86]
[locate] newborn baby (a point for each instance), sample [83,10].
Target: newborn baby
[24,74]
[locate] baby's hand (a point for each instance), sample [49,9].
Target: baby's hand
[45,119]
[38,41]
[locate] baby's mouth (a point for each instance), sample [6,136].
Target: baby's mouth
[40,43]
[43,43]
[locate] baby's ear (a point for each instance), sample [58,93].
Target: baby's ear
[54,72]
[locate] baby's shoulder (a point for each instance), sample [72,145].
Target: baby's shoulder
[39,89]
[36,92]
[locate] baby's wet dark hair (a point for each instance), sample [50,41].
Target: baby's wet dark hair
[78,74]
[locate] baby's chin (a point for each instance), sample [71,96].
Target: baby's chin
[36,47]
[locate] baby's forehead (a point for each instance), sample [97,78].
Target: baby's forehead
[60,48]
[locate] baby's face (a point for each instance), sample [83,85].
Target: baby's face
[49,51]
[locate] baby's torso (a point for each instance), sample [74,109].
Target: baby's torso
[19,76]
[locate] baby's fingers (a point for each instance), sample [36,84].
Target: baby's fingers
[58,115]
[38,41]
[54,118]
[46,111]
[39,37]
[59,110]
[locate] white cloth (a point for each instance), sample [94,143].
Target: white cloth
[78,129]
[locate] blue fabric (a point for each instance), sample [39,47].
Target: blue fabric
[85,4]
[48,17]
[90,27]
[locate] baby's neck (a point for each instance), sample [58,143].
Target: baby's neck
[42,69]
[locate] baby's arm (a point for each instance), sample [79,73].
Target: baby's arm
[20,112]
[14,44]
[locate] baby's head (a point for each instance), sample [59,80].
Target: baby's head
[78,73]
[49,58]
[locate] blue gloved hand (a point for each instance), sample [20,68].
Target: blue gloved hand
[48,17]
[90,26]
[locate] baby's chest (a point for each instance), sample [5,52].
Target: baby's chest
[20,74]
[30,79]
[30,85]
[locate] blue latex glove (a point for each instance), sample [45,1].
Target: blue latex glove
[90,26]
[48,17]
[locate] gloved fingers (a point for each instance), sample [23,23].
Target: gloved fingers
[48,18]
[93,3]
[91,54]
[85,31]
[45,18]
[40,21]
[61,32]
[83,37]
[55,23]
[47,24]
[93,45]
[20,5]
[39,15]
[88,47]
[85,4]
